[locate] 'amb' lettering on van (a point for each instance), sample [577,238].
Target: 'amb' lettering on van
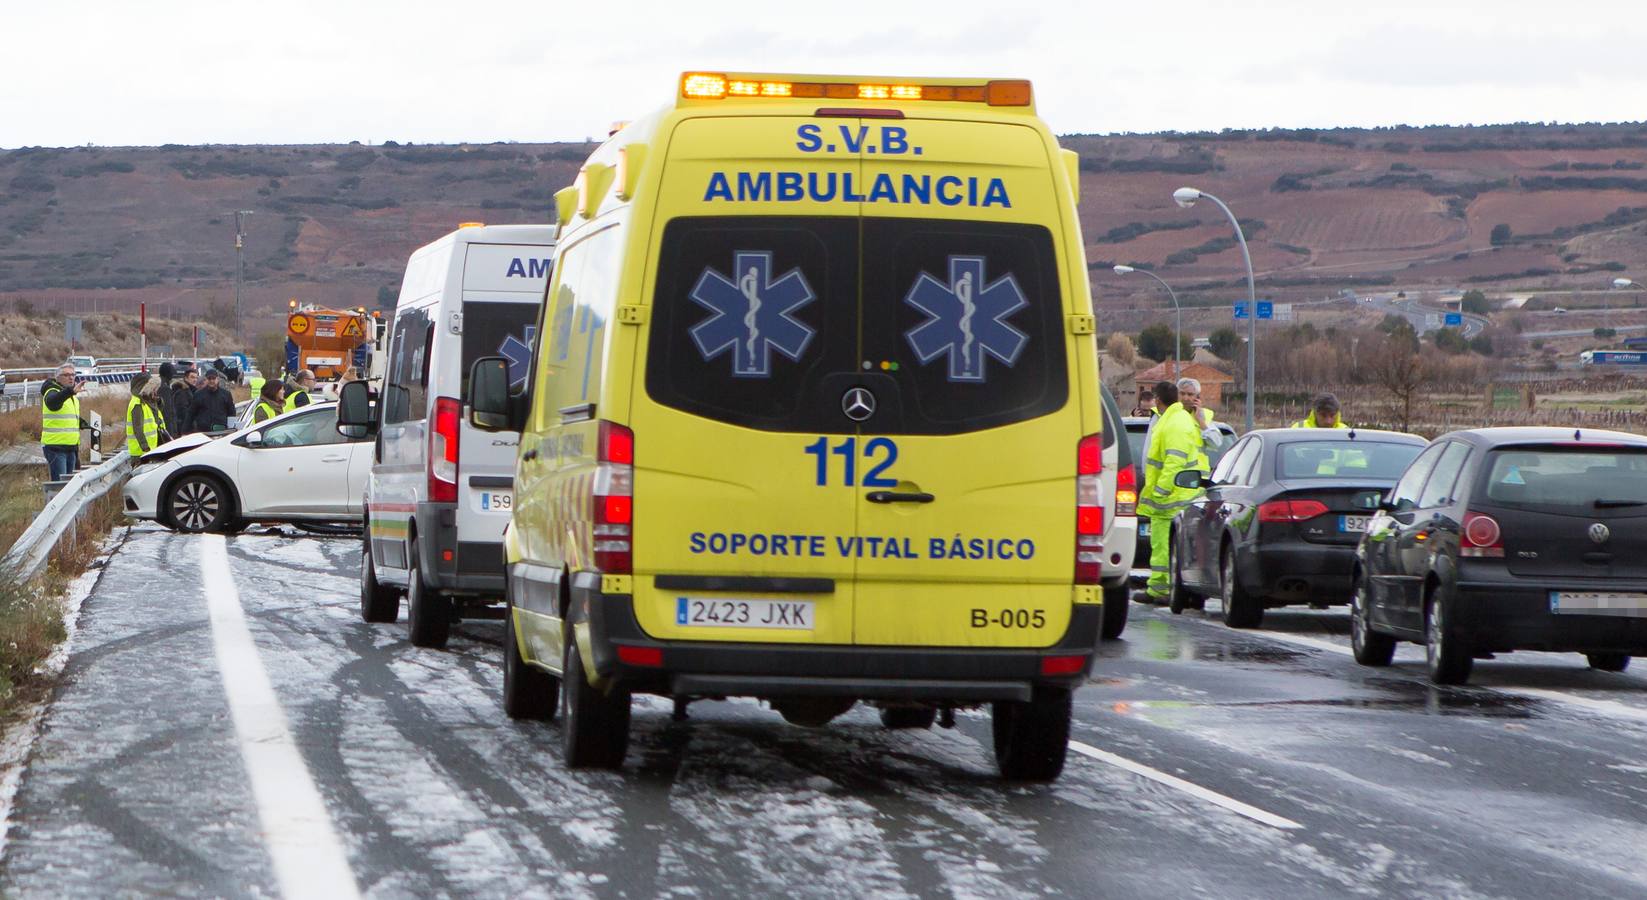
[527,268]
[848,187]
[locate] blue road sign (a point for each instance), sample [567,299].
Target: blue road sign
[1266,309]
[1241,310]
[1454,319]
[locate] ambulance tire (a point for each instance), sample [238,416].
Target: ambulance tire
[596,731]
[528,692]
[378,602]
[910,717]
[1031,739]
[428,611]
[1116,601]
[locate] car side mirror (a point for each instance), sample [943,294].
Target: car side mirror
[354,411]
[1190,478]
[491,406]
[253,439]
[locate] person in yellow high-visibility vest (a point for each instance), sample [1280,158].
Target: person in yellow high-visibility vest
[1324,413]
[297,395]
[60,422]
[145,422]
[269,401]
[1176,443]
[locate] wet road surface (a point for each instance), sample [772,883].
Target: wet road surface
[1210,762]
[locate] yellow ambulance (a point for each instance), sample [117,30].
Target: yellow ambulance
[813,417]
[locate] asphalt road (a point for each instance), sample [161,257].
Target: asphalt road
[1209,762]
[1424,318]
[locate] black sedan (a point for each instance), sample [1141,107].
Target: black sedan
[1281,517]
[1137,430]
[1500,539]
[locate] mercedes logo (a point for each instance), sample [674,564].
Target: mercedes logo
[858,404]
[1599,533]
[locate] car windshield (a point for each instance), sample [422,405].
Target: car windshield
[1560,479]
[1344,459]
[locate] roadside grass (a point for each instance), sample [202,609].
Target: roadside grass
[22,426]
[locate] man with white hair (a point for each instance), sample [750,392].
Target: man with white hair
[1177,441]
[60,422]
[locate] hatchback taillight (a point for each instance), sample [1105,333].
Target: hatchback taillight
[613,500]
[1482,537]
[1089,510]
[1290,510]
[443,450]
[1126,491]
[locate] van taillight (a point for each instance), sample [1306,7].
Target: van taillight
[613,500]
[1126,490]
[1089,510]
[443,451]
[1482,537]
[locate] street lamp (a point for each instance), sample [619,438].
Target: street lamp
[1178,318]
[1186,197]
[239,266]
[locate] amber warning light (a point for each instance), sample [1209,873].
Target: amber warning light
[712,86]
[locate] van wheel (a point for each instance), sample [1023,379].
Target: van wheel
[1370,647]
[909,717]
[198,503]
[1241,609]
[528,692]
[1031,739]
[378,602]
[596,732]
[428,612]
[1608,662]
[1116,601]
[1448,659]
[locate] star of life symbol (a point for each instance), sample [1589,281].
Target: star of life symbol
[753,314]
[965,318]
[519,355]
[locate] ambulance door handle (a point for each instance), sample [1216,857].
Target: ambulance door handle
[899,497]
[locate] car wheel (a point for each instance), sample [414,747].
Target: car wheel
[198,503]
[1179,597]
[1608,662]
[1241,609]
[1449,661]
[378,602]
[1371,648]
[1116,601]
[596,732]
[909,717]
[428,611]
[528,692]
[1032,739]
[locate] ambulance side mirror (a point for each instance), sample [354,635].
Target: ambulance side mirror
[491,408]
[354,411]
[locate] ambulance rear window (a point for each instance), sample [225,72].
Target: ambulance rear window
[767,322]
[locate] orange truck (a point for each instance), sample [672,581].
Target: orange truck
[327,341]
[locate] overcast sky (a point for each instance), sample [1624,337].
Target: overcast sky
[309,71]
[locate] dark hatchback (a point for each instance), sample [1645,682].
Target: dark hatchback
[1137,430]
[1500,539]
[1281,517]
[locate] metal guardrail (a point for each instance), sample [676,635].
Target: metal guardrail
[61,516]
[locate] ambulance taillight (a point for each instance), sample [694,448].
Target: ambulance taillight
[613,500]
[1089,510]
[443,451]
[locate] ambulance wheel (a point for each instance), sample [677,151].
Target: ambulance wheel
[428,612]
[901,717]
[1116,601]
[378,602]
[528,692]
[596,731]
[1031,739]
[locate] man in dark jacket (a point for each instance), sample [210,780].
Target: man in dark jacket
[213,406]
[181,396]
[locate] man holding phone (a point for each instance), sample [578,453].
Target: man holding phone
[60,422]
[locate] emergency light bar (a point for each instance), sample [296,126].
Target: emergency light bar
[714,86]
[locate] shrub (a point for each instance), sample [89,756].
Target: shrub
[1500,235]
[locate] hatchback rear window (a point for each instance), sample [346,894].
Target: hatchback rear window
[1344,459]
[1560,479]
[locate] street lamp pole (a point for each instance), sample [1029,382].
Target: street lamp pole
[1186,197]
[1620,284]
[1178,319]
[239,265]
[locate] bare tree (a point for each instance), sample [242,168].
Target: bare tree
[1399,369]
[1120,349]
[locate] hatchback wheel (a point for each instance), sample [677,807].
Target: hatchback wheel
[428,611]
[378,602]
[1608,662]
[1241,609]
[1371,648]
[596,731]
[1449,660]
[1116,601]
[198,503]
[1032,739]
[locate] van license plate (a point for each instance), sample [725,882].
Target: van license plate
[1355,524]
[1599,603]
[497,501]
[711,612]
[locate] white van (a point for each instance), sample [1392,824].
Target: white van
[440,491]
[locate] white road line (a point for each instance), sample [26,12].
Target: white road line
[1194,790]
[307,855]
